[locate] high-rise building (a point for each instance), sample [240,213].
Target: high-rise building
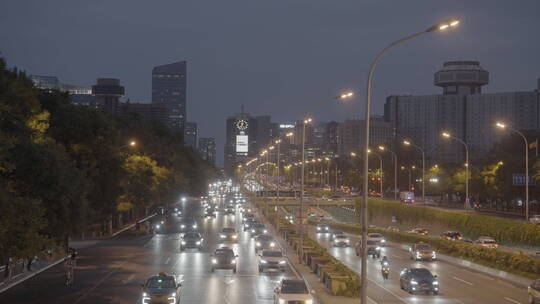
[190,135]
[169,86]
[331,137]
[207,149]
[463,110]
[148,111]
[108,92]
[240,141]
[351,134]
[78,94]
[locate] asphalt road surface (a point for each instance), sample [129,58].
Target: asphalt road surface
[112,271]
[457,284]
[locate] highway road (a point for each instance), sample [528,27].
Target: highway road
[112,271]
[457,284]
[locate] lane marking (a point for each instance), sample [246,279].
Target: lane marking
[100,282]
[396,256]
[461,280]
[167,260]
[512,300]
[129,279]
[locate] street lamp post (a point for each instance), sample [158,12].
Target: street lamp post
[504,126]
[448,135]
[306,121]
[408,143]
[363,206]
[381,169]
[383,148]
[278,164]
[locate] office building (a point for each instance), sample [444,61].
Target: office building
[108,92]
[207,149]
[351,134]
[190,135]
[331,137]
[462,109]
[148,111]
[240,141]
[169,86]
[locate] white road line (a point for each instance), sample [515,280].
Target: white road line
[129,279]
[461,280]
[512,300]
[167,260]
[396,256]
[99,283]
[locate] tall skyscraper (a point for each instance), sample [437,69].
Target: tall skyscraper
[207,149]
[463,110]
[169,86]
[190,135]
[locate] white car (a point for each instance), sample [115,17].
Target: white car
[341,240]
[377,238]
[535,219]
[272,259]
[487,242]
[292,291]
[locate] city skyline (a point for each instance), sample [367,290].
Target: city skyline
[224,66]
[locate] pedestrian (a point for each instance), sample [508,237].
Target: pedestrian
[29,261]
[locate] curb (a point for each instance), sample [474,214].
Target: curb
[17,282]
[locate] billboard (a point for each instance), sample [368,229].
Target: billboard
[241,144]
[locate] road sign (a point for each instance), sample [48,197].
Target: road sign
[518,179]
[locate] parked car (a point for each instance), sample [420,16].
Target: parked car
[415,280]
[534,292]
[486,241]
[292,291]
[451,235]
[422,251]
[271,259]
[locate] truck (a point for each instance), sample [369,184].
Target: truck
[406,197]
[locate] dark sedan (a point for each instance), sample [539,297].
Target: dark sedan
[416,280]
[162,288]
[191,240]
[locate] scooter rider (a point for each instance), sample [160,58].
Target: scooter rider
[385,270]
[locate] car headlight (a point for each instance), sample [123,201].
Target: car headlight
[346,241]
[245,225]
[233,261]
[162,222]
[222,236]
[377,248]
[433,254]
[144,294]
[272,244]
[182,226]
[183,242]
[326,228]
[173,294]
[263,262]
[309,301]
[418,254]
[214,261]
[252,230]
[435,282]
[157,226]
[194,226]
[258,244]
[281,301]
[318,228]
[282,262]
[234,236]
[198,242]
[413,282]
[265,231]
[383,241]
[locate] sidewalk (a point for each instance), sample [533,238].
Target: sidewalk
[22,274]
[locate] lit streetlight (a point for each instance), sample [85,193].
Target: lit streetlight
[450,136]
[383,148]
[503,126]
[363,207]
[408,143]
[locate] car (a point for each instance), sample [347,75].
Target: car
[258,229]
[191,240]
[451,235]
[422,251]
[322,228]
[341,240]
[248,216]
[271,259]
[210,212]
[373,249]
[248,224]
[292,291]
[229,209]
[187,225]
[289,218]
[486,241]
[534,292]
[414,280]
[535,219]
[264,241]
[228,234]
[377,237]
[224,258]
[393,228]
[161,288]
[420,231]
[159,227]
[335,233]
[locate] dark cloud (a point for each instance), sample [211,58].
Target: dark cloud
[277,57]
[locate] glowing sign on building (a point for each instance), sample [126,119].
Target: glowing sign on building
[242,144]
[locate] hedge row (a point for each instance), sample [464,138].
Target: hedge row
[349,287]
[516,263]
[507,232]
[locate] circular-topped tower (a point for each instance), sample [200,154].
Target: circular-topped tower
[461,78]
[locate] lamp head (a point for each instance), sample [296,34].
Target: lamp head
[445,134]
[443,26]
[500,125]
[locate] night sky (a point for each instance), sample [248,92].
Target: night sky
[276,57]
